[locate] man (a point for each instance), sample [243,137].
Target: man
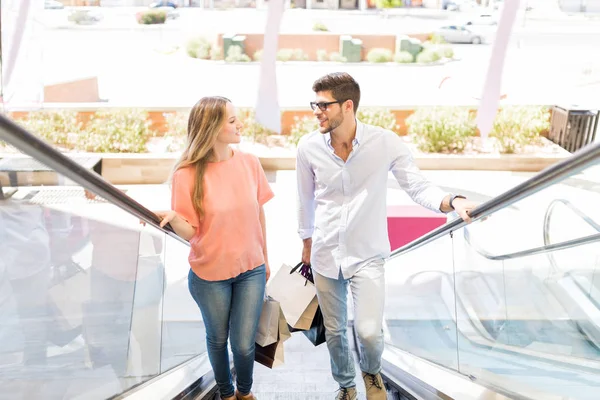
[342,171]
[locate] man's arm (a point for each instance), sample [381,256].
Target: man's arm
[422,191]
[305,179]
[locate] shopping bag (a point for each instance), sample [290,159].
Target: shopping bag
[316,333]
[296,295]
[270,356]
[69,291]
[268,325]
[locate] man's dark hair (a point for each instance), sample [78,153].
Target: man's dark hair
[343,87]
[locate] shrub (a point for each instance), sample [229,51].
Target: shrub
[236,54]
[252,129]
[379,117]
[299,55]
[519,126]
[322,55]
[389,3]
[301,127]
[176,134]
[216,53]
[152,17]
[319,26]
[378,55]
[337,57]
[119,131]
[404,57]
[437,39]
[292,55]
[285,54]
[441,130]
[258,55]
[428,56]
[56,127]
[200,48]
[447,51]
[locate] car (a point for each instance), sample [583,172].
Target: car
[459,34]
[53,5]
[483,19]
[164,3]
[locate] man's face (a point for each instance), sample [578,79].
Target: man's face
[330,116]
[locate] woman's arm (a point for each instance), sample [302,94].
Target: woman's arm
[263,225]
[180,226]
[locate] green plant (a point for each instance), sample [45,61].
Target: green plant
[441,130]
[378,55]
[404,57]
[519,126]
[382,117]
[118,131]
[56,127]
[151,17]
[258,55]
[437,39]
[428,56]
[337,57]
[319,26]
[252,129]
[216,53]
[299,55]
[301,127]
[322,55]
[199,47]
[285,54]
[389,3]
[447,51]
[176,134]
[236,54]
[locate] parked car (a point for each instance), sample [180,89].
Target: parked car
[164,3]
[483,19]
[459,34]
[85,15]
[53,5]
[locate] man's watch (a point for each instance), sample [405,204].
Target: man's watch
[455,196]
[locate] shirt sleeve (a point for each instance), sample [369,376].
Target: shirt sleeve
[410,178]
[264,192]
[182,188]
[305,178]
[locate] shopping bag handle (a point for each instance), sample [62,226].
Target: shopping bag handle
[305,271]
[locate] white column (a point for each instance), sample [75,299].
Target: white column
[22,76]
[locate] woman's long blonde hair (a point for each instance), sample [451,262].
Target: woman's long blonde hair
[204,124]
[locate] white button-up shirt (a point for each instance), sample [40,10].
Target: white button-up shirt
[342,205]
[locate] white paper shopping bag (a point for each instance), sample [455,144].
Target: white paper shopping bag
[296,295]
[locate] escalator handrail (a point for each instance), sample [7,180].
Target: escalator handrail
[577,162]
[33,146]
[548,218]
[567,244]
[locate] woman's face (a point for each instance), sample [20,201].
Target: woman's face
[230,132]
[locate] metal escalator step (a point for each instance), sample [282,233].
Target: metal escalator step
[63,196]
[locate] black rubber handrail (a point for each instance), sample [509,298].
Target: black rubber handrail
[579,161]
[34,147]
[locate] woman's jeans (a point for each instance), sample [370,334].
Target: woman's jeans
[231,308]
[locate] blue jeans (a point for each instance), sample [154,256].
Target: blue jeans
[368,292]
[231,308]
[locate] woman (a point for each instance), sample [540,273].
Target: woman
[217,199]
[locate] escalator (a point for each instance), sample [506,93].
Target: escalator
[95,306]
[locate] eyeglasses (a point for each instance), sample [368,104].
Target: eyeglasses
[323,105]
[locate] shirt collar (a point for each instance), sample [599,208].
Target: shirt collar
[360,127]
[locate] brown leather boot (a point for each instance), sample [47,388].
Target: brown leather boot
[375,387]
[248,396]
